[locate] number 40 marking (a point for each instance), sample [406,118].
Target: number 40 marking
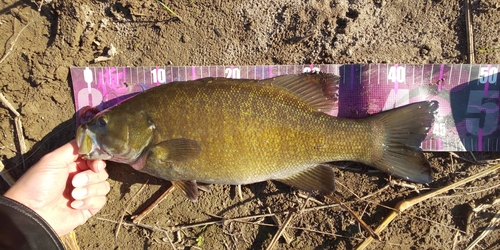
[397,74]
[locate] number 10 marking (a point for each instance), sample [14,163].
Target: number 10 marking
[158,76]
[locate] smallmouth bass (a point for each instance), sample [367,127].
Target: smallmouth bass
[239,131]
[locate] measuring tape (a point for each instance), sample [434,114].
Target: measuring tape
[468,95]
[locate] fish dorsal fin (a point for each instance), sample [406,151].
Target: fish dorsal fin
[320,90]
[320,178]
[190,188]
[180,149]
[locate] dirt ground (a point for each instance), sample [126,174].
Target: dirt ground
[42,45]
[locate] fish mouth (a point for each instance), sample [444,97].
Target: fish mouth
[88,146]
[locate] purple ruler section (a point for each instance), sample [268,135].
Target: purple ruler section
[467,120]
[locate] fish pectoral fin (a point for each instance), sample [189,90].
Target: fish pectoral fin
[320,178]
[180,149]
[190,188]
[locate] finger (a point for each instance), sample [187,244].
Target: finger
[98,189]
[94,204]
[88,177]
[97,165]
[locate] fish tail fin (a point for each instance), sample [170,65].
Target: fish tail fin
[404,129]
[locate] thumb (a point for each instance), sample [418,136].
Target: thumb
[62,157]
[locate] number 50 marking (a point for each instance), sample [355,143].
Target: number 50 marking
[488,74]
[477,104]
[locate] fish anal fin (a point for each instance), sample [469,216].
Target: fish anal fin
[179,150]
[320,90]
[190,188]
[205,187]
[320,178]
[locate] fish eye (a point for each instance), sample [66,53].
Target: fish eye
[101,122]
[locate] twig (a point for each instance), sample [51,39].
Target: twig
[304,229]
[451,160]
[137,218]
[473,156]
[403,184]
[152,228]
[39,5]
[6,176]
[240,220]
[19,130]
[126,209]
[487,230]
[376,192]
[69,241]
[170,241]
[470,36]
[486,206]
[8,105]
[172,12]
[370,231]
[453,154]
[7,52]
[281,229]
[403,205]
[455,240]
[469,193]
[474,210]
[20,138]
[277,221]
[488,50]
[350,191]
[303,196]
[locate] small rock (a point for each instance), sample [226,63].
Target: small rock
[19,15]
[185,38]
[62,73]
[425,50]
[348,52]
[112,50]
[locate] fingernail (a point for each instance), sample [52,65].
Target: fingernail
[76,204]
[80,180]
[79,193]
[100,166]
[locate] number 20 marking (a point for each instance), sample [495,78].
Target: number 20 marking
[232,73]
[309,70]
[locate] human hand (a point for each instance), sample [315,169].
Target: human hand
[63,188]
